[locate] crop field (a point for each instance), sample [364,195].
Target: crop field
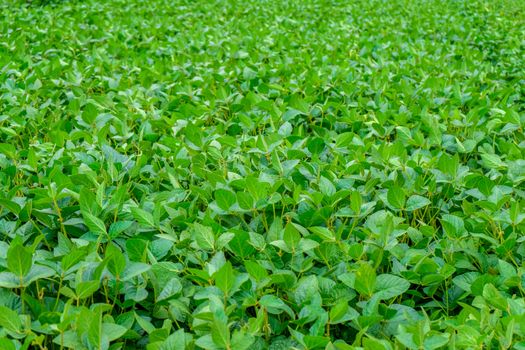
[234,175]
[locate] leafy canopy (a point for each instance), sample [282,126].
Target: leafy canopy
[262,175]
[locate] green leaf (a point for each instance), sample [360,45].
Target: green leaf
[206,342]
[144,324]
[239,244]
[225,199]
[94,224]
[171,288]
[133,269]
[116,260]
[255,270]
[143,217]
[10,320]
[356,201]
[241,341]
[9,280]
[365,280]
[494,297]
[416,202]
[245,200]
[453,225]
[118,227]
[224,278]
[449,164]
[8,150]
[291,237]
[204,236]
[323,232]
[19,260]
[326,187]
[113,331]
[177,340]
[86,289]
[95,335]
[396,197]
[492,161]
[342,312]
[13,207]
[275,305]
[389,286]
[436,341]
[220,334]
[38,272]
[7,344]
[316,145]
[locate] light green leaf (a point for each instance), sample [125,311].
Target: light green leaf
[224,278]
[94,224]
[390,286]
[10,320]
[143,217]
[416,202]
[396,197]
[204,236]
[365,280]
[225,199]
[275,305]
[19,260]
[323,232]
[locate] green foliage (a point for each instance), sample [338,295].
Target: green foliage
[231,175]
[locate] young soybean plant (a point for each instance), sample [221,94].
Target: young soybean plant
[243,175]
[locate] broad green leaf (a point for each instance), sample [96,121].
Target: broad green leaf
[8,150]
[323,232]
[239,244]
[396,197]
[492,161]
[453,225]
[204,236]
[390,286]
[255,270]
[113,331]
[10,205]
[275,305]
[133,269]
[7,344]
[118,227]
[95,224]
[494,297]
[143,217]
[206,342]
[225,199]
[9,280]
[96,337]
[86,289]
[415,202]
[220,334]
[365,280]
[342,312]
[116,260]
[37,272]
[436,341]
[171,288]
[291,237]
[245,200]
[19,260]
[241,341]
[356,202]
[326,187]
[224,278]
[10,320]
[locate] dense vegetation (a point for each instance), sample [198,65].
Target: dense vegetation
[262,174]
